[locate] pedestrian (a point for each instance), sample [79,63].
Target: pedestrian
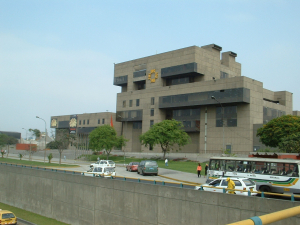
[230,185]
[199,168]
[98,159]
[206,168]
[166,162]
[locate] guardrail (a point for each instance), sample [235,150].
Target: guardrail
[292,196]
[25,221]
[270,218]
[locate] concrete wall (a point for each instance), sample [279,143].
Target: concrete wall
[76,199]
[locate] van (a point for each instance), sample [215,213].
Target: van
[148,167]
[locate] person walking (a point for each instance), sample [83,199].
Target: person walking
[199,168]
[166,162]
[205,169]
[230,185]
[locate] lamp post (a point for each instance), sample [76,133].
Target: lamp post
[45,137]
[213,97]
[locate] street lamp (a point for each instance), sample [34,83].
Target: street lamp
[213,97]
[45,137]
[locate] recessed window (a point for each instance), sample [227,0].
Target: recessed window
[151,123]
[79,122]
[137,102]
[103,121]
[223,75]
[228,117]
[151,112]
[124,104]
[83,122]
[130,103]
[88,122]
[152,100]
[98,121]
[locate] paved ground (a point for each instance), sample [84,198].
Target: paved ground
[164,173]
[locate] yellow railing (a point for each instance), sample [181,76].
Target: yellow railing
[270,218]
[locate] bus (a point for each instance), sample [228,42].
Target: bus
[270,175]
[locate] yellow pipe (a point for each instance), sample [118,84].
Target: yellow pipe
[272,217]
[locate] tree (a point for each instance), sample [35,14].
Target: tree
[62,140]
[290,144]
[105,138]
[272,132]
[166,134]
[36,133]
[7,140]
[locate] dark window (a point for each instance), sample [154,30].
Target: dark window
[180,80]
[223,75]
[124,104]
[137,125]
[151,112]
[83,122]
[88,122]
[130,103]
[150,147]
[151,123]
[103,121]
[137,102]
[79,122]
[98,121]
[228,117]
[152,100]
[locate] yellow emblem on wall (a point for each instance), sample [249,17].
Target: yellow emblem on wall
[53,123]
[150,76]
[73,122]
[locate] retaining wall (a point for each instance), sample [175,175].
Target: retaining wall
[76,199]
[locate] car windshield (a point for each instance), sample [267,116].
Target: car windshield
[109,169]
[152,163]
[135,163]
[111,162]
[249,182]
[8,216]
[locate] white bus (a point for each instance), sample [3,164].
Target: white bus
[270,175]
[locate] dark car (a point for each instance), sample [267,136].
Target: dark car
[148,167]
[132,166]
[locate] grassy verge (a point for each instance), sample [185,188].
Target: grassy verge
[179,165]
[29,216]
[33,163]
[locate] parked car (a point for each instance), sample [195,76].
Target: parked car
[147,167]
[243,184]
[104,163]
[100,172]
[132,166]
[7,217]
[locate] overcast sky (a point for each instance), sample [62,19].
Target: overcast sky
[56,57]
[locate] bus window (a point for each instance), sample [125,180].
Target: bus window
[243,166]
[229,165]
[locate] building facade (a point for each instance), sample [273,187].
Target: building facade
[82,124]
[203,88]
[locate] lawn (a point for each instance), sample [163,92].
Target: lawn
[29,216]
[33,163]
[178,164]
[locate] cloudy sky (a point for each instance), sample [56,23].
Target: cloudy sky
[57,56]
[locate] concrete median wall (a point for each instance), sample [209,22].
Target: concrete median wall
[76,199]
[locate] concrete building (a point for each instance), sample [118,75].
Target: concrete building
[83,124]
[205,90]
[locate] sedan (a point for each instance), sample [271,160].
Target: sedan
[132,166]
[242,185]
[100,172]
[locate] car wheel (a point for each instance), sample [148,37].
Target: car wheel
[156,174]
[265,189]
[138,172]
[143,173]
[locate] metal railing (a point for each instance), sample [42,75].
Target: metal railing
[270,218]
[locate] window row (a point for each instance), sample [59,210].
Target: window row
[88,122]
[137,102]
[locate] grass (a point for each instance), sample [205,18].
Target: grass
[179,165]
[33,163]
[29,216]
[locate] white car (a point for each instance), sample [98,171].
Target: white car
[100,172]
[243,184]
[103,163]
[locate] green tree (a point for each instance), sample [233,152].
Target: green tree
[272,132]
[62,140]
[7,140]
[35,132]
[167,134]
[105,138]
[50,156]
[290,144]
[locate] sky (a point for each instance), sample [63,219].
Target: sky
[57,56]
